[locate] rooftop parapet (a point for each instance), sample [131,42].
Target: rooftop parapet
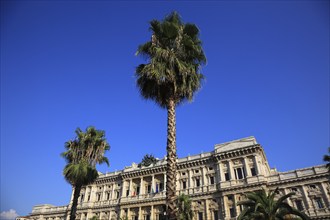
[236,144]
[299,173]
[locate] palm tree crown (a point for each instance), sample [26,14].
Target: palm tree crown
[174,57]
[89,146]
[147,160]
[264,206]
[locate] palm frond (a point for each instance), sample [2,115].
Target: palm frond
[174,57]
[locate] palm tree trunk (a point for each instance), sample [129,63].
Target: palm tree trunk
[76,194]
[171,166]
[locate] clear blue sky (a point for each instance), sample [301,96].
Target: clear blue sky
[69,64]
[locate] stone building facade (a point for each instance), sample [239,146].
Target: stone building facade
[216,182]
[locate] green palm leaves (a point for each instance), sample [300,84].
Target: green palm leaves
[184,208]
[80,173]
[89,146]
[264,206]
[174,56]
[147,160]
[82,154]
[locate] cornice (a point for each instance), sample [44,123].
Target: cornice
[300,179]
[242,188]
[238,152]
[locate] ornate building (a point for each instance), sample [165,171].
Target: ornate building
[215,181]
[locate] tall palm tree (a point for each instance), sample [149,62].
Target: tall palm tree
[264,206]
[184,208]
[82,154]
[171,76]
[326,158]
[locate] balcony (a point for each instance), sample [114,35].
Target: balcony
[143,197]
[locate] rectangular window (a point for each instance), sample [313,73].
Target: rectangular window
[312,186]
[161,187]
[117,194]
[127,193]
[184,185]
[196,171]
[253,171]
[232,212]
[239,173]
[227,176]
[136,218]
[149,188]
[108,195]
[98,197]
[319,203]
[82,198]
[211,180]
[215,215]
[200,215]
[299,205]
[210,168]
[89,197]
[147,217]
[138,190]
[198,183]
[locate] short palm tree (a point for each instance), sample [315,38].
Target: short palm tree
[82,154]
[171,76]
[147,160]
[184,208]
[326,158]
[261,205]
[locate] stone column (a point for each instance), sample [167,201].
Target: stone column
[165,179]
[219,175]
[206,208]
[130,187]
[190,181]
[123,194]
[153,186]
[152,212]
[141,186]
[204,178]
[226,208]
[113,192]
[140,213]
[92,194]
[103,193]
[231,170]
[256,165]
[128,213]
[247,168]
[324,195]
[306,200]
[234,204]
[86,194]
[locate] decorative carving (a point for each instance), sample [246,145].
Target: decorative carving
[213,205]
[237,162]
[313,190]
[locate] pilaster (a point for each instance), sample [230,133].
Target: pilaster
[141,186]
[231,170]
[247,167]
